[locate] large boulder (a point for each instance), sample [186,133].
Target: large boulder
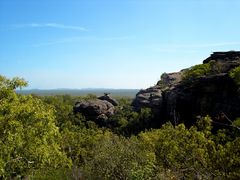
[96,109]
[215,94]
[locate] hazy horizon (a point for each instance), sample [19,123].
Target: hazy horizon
[93,88]
[123,44]
[81,92]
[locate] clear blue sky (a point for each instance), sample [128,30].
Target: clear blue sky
[111,43]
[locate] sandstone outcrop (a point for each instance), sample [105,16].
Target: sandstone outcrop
[224,56]
[99,109]
[177,100]
[151,97]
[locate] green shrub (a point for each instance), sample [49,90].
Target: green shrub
[180,152]
[235,74]
[197,71]
[193,153]
[116,157]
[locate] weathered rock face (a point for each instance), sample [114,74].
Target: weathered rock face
[225,60]
[224,56]
[151,97]
[170,79]
[216,95]
[97,109]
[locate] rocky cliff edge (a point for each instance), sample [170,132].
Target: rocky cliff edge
[205,89]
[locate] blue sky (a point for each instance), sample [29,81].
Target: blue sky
[111,43]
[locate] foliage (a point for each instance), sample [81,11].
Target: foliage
[11,84]
[200,70]
[40,138]
[116,157]
[183,153]
[236,123]
[235,74]
[193,153]
[128,122]
[78,143]
[51,174]
[197,71]
[63,106]
[28,134]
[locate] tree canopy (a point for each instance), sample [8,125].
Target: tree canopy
[40,138]
[29,137]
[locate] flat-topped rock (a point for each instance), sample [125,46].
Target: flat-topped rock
[223,56]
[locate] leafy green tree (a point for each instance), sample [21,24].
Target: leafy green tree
[29,138]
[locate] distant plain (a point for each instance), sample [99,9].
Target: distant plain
[81,92]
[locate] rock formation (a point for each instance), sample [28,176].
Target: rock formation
[213,95]
[99,109]
[224,56]
[150,97]
[106,97]
[178,100]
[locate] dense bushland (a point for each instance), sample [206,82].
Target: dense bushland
[40,138]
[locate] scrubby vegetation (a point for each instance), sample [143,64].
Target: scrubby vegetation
[197,71]
[40,138]
[202,70]
[235,74]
